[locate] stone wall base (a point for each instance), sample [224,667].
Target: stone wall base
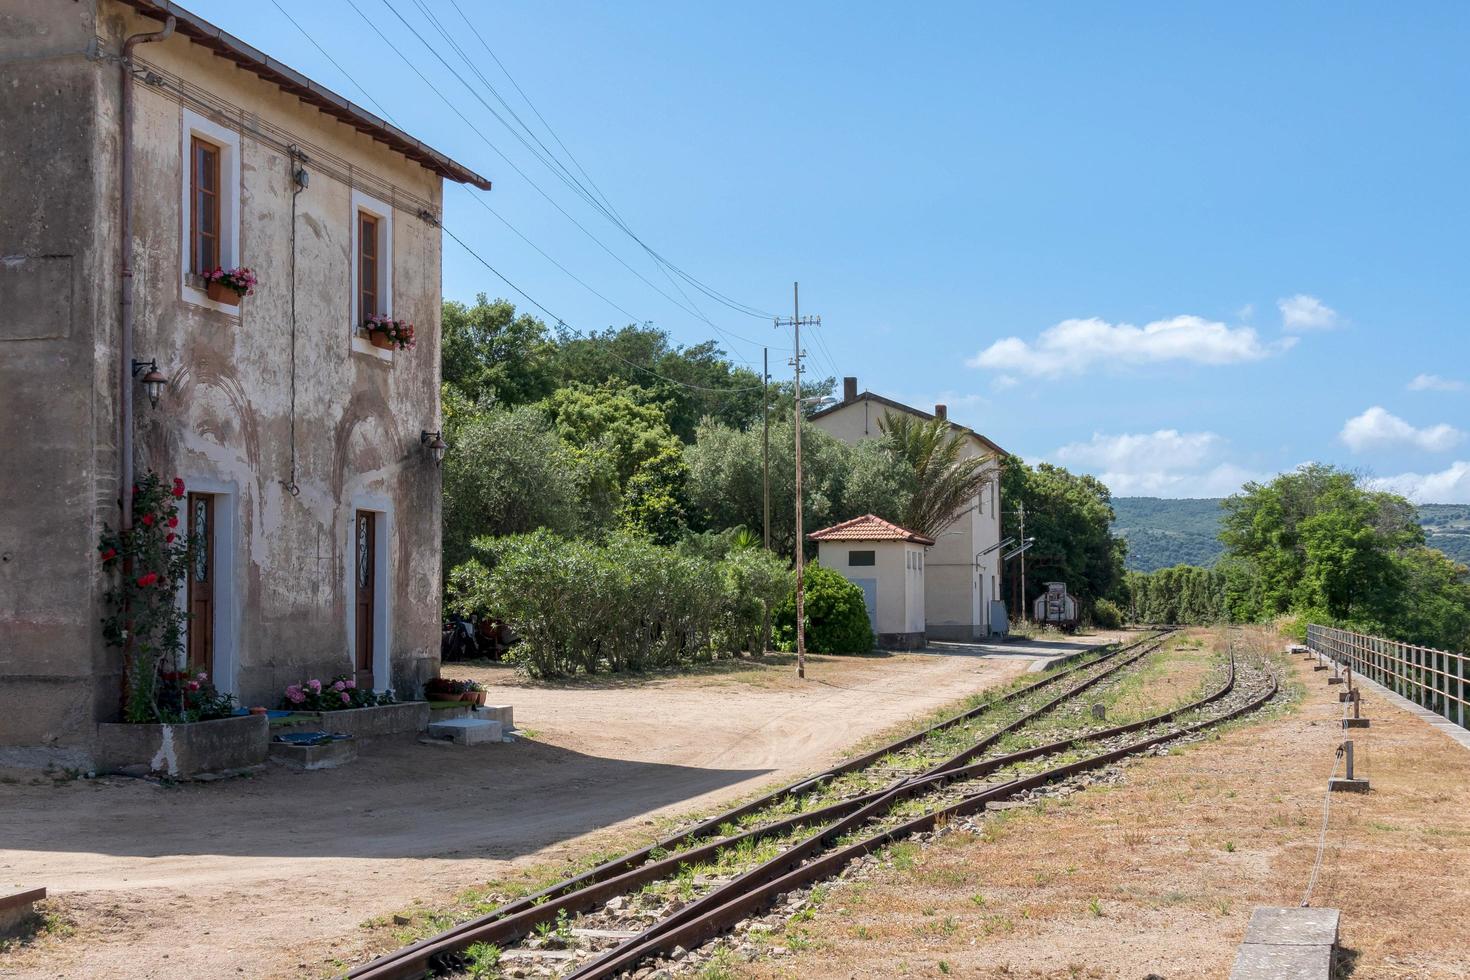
[902,641]
[186,749]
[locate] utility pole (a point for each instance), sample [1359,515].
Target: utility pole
[796,322]
[766,446]
[1025,612]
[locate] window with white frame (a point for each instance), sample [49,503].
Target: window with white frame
[372,259]
[210,205]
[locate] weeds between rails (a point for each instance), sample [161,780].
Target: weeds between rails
[517,919]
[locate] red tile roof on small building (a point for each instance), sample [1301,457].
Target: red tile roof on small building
[869,527]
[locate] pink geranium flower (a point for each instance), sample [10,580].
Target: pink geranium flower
[350,683]
[295,694]
[339,686]
[346,698]
[315,685]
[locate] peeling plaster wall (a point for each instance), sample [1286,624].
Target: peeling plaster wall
[225,420]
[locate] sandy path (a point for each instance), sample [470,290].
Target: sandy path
[272,875]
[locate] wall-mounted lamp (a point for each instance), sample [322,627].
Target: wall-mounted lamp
[435,443]
[153,381]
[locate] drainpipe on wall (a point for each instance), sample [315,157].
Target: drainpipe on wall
[125,323]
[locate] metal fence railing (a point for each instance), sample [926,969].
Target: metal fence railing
[1434,679]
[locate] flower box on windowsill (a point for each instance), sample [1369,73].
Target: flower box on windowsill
[380,340]
[221,293]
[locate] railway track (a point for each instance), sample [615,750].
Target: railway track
[707,877]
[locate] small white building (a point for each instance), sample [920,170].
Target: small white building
[887,563]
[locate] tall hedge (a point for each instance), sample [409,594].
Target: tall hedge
[836,615]
[580,607]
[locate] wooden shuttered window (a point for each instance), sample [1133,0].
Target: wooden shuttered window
[369,270]
[204,206]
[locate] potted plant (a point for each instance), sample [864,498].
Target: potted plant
[387,333]
[475,692]
[228,286]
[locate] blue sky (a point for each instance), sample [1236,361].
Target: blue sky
[1174,245]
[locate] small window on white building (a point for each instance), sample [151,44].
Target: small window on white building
[862,558]
[209,239]
[372,268]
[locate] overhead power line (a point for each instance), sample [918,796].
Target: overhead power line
[548,160]
[568,327]
[511,163]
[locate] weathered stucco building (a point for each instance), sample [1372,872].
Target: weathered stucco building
[301,443]
[962,569]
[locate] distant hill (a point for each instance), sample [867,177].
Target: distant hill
[1163,532]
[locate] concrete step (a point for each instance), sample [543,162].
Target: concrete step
[466,731]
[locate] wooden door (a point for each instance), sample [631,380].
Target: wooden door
[201,582]
[365,558]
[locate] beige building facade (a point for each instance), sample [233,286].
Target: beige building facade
[962,569]
[301,444]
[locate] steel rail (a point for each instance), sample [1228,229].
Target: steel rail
[612,877]
[511,925]
[708,919]
[878,804]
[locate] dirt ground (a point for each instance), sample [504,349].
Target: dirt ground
[272,876]
[1157,877]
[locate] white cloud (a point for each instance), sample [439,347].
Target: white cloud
[1166,463]
[1075,346]
[1378,429]
[1166,449]
[1433,382]
[1448,486]
[1303,312]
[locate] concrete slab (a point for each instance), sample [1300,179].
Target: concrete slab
[1287,944]
[327,755]
[502,713]
[466,731]
[1342,785]
[1293,926]
[1253,962]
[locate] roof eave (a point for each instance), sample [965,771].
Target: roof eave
[880,399]
[288,79]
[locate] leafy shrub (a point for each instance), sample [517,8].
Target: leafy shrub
[1106,614]
[836,615]
[629,604]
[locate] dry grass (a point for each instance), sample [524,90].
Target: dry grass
[1160,874]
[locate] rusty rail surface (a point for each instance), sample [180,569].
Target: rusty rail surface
[717,912]
[515,920]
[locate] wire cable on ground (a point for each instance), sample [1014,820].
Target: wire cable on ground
[1326,816]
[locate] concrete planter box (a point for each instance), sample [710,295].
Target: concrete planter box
[385,719]
[185,750]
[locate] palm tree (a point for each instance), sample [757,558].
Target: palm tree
[945,482]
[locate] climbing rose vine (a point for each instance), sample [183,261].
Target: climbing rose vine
[145,566]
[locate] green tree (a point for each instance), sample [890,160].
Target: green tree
[653,498]
[838,481]
[1070,516]
[945,481]
[624,420]
[491,354]
[508,473]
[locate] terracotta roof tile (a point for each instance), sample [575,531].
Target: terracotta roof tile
[869,527]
